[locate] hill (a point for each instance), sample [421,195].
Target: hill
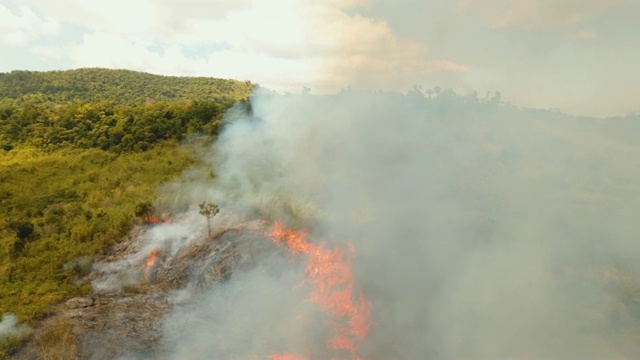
[81,151]
[119,86]
[116,110]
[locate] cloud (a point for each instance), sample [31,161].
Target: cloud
[178,13]
[256,47]
[535,13]
[364,52]
[116,51]
[330,45]
[122,17]
[324,45]
[23,26]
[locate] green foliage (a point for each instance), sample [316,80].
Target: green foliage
[81,153]
[105,125]
[59,209]
[119,86]
[144,209]
[23,229]
[115,110]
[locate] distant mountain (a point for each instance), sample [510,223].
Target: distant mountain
[120,86]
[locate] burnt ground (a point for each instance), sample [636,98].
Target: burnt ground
[122,318]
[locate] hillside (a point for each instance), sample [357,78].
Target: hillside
[115,110]
[81,152]
[119,86]
[340,222]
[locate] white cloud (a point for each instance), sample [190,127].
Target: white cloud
[178,12]
[536,13]
[272,52]
[116,51]
[18,29]
[48,51]
[308,44]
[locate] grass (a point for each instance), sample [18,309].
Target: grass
[59,210]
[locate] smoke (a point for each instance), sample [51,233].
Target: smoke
[115,275]
[481,231]
[9,327]
[254,315]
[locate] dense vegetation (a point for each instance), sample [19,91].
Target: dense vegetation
[105,124]
[80,151]
[120,86]
[116,110]
[59,207]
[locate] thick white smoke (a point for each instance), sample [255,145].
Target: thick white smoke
[481,231]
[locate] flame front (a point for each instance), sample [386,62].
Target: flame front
[332,289]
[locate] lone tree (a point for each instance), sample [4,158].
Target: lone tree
[144,209]
[209,210]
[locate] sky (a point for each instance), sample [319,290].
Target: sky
[578,56]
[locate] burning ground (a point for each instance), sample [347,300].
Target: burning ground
[129,314]
[384,226]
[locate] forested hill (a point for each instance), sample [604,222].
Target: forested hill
[115,110]
[81,152]
[120,86]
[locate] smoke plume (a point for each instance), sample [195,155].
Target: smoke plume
[480,230]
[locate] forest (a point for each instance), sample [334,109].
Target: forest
[80,151]
[115,110]
[120,86]
[528,211]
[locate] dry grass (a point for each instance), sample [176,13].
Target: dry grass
[57,342]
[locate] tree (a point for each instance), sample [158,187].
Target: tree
[208,210]
[144,209]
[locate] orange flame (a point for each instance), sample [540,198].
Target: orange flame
[332,288]
[285,357]
[150,262]
[157,220]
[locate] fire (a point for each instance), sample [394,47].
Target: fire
[150,262]
[157,220]
[332,289]
[285,357]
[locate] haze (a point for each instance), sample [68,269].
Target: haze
[576,56]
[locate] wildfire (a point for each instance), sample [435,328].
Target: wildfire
[150,262]
[156,220]
[332,289]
